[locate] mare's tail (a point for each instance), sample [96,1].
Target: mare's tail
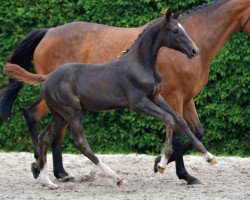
[18,73]
[22,56]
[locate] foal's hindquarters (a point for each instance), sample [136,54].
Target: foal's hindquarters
[66,109]
[52,132]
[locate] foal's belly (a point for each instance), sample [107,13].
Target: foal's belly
[99,99]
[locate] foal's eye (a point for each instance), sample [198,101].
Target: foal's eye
[175,31]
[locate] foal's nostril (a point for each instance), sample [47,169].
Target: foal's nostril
[194,52]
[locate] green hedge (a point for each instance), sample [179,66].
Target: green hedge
[223,105]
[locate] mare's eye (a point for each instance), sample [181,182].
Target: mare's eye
[175,31]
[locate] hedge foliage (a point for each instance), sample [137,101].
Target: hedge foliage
[223,105]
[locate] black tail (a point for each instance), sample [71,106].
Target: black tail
[23,55]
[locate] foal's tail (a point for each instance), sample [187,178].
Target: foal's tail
[22,56]
[18,73]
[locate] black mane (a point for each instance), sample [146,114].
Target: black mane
[209,5]
[148,25]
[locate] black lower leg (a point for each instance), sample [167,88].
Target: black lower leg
[199,132]
[29,115]
[179,163]
[59,170]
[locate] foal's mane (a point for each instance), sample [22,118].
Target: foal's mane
[205,6]
[148,26]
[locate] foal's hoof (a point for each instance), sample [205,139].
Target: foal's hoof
[212,161]
[157,160]
[49,184]
[121,182]
[35,169]
[160,169]
[53,186]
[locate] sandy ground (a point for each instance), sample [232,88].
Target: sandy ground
[229,179]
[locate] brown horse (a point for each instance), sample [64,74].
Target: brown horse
[131,81]
[209,25]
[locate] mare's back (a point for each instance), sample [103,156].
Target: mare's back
[82,42]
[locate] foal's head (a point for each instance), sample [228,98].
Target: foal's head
[175,37]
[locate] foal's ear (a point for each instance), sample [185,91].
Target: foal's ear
[168,14]
[176,15]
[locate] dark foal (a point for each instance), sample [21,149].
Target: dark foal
[132,81]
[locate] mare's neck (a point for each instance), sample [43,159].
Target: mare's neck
[211,28]
[145,49]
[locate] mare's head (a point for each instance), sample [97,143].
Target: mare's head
[174,36]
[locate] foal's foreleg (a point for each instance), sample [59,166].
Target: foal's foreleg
[183,125]
[39,168]
[148,107]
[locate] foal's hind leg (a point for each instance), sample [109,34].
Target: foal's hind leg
[39,168]
[75,123]
[33,114]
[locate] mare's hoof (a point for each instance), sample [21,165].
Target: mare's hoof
[68,179]
[35,169]
[194,181]
[64,176]
[157,160]
[160,169]
[121,182]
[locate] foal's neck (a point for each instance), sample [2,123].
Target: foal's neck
[147,45]
[212,27]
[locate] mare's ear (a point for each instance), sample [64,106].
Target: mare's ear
[176,15]
[168,14]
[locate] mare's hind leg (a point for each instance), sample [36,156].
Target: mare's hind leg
[33,114]
[75,123]
[39,168]
[59,171]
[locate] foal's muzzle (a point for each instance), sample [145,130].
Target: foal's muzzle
[194,52]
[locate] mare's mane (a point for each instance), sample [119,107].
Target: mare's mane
[205,6]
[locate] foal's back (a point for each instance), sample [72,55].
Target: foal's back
[92,87]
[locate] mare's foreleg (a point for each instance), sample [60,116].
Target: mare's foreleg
[59,171]
[184,127]
[148,107]
[191,116]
